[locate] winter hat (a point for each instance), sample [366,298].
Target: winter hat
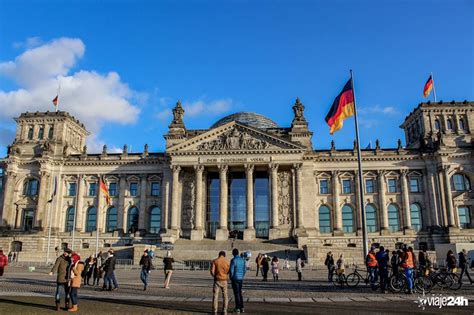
[75,258]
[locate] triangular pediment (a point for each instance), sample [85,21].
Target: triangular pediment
[233,137]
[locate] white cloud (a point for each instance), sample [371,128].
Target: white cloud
[201,108]
[164,115]
[378,109]
[30,42]
[92,97]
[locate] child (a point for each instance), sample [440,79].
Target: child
[76,271]
[275,268]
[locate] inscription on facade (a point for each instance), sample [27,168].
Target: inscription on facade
[230,160]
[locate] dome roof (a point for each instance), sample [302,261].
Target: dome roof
[248,118]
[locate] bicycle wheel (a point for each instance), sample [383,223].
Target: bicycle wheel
[456,283]
[423,285]
[446,281]
[352,279]
[397,284]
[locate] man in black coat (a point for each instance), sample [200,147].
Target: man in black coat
[463,264]
[146,264]
[109,278]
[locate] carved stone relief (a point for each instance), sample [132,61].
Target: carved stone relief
[188,196]
[285,200]
[235,139]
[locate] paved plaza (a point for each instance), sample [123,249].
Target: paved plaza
[190,292]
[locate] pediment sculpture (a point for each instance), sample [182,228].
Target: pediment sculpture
[234,140]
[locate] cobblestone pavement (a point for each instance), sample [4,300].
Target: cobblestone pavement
[191,287]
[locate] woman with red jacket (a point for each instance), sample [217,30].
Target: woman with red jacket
[3,262]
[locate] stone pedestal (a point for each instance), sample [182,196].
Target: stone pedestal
[171,235]
[222,235]
[249,234]
[338,232]
[197,235]
[408,231]
[273,233]
[384,231]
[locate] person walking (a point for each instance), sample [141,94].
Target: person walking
[145,263]
[76,271]
[258,262]
[61,267]
[97,274]
[382,262]
[299,266]
[371,263]
[168,268]
[87,266]
[237,274]
[464,265]
[10,257]
[3,262]
[275,268]
[408,263]
[265,267]
[110,281]
[329,262]
[219,270]
[451,260]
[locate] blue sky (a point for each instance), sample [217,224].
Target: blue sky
[123,64]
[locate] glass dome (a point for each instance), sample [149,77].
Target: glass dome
[250,119]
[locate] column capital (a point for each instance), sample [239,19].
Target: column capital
[176,168]
[298,167]
[335,173]
[381,173]
[404,172]
[223,168]
[199,168]
[273,167]
[249,168]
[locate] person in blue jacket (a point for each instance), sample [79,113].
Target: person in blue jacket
[237,274]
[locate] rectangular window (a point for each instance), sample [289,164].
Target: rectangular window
[155,188]
[464,217]
[41,133]
[346,186]
[30,133]
[392,185]
[72,189]
[414,185]
[92,189]
[369,186]
[133,189]
[324,187]
[113,189]
[50,131]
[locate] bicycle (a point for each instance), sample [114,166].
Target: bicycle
[355,277]
[338,278]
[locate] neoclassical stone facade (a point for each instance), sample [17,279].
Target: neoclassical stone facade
[244,174]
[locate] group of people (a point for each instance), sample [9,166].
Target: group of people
[264,264]
[146,264]
[71,271]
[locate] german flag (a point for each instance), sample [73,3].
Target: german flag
[342,108]
[55,100]
[105,191]
[428,86]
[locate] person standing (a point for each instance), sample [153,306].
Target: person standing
[451,260]
[275,268]
[265,267]
[258,262]
[408,263]
[3,262]
[61,267]
[219,270]
[110,282]
[329,262]
[299,267]
[145,262]
[382,262]
[10,257]
[395,262]
[464,265]
[237,274]
[168,267]
[87,267]
[76,271]
[371,263]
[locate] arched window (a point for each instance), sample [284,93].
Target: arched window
[155,220]
[449,124]
[437,124]
[415,212]
[371,218]
[460,182]
[30,187]
[347,219]
[324,219]
[111,222]
[41,133]
[393,218]
[132,220]
[91,219]
[462,126]
[69,219]
[464,217]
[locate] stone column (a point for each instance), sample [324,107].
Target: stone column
[359,203]
[174,198]
[428,212]
[274,230]
[7,216]
[121,220]
[165,200]
[337,224]
[449,197]
[383,211]
[42,199]
[81,190]
[143,211]
[222,232]
[197,232]
[406,202]
[249,233]
[434,198]
[299,195]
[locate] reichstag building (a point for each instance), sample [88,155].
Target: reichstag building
[244,174]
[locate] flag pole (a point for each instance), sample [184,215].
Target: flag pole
[434,88]
[361,191]
[97,218]
[59,91]
[49,228]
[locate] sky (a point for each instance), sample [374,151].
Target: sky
[122,65]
